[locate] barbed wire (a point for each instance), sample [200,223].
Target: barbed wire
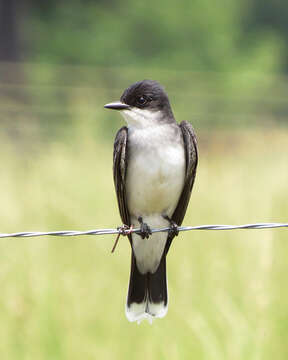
[127,230]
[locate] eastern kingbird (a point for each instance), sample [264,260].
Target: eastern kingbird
[154,165]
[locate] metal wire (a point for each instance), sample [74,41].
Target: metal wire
[122,231]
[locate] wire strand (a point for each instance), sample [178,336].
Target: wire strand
[128,231]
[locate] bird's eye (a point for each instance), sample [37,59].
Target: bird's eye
[142,100]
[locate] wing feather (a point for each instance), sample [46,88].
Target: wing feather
[191,156]
[119,171]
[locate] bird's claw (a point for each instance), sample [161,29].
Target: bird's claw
[173,230]
[145,230]
[173,227]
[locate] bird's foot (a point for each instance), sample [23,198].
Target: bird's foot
[145,230]
[173,231]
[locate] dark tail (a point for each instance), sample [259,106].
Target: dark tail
[147,295]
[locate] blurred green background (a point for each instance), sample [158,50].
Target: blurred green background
[224,65]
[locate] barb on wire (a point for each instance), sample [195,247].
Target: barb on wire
[128,230]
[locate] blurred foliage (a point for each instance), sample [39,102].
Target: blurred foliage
[189,35]
[222,63]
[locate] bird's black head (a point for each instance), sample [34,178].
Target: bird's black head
[144,102]
[146,94]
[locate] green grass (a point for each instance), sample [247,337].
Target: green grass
[63,298]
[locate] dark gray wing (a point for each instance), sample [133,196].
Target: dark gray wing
[119,171]
[191,155]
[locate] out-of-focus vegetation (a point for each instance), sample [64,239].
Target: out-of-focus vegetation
[222,63]
[200,35]
[224,66]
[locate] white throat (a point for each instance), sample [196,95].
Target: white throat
[141,118]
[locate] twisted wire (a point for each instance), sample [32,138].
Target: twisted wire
[122,231]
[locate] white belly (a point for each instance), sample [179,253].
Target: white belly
[155,178]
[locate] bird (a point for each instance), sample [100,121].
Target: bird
[154,168]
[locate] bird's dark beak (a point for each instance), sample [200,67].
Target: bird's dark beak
[117,106]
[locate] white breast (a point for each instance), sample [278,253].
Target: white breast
[155,179]
[156,169]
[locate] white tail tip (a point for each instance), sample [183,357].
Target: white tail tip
[145,311]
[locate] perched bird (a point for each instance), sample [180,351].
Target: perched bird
[154,163]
